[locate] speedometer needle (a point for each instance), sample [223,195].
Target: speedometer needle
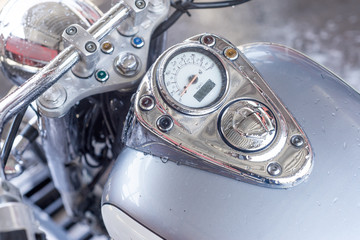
[187,86]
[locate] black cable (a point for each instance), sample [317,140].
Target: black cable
[167,24]
[109,127]
[36,112]
[205,5]
[90,164]
[183,7]
[5,151]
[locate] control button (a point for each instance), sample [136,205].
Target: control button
[208,40]
[165,123]
[247,125]
[101,75]
[137,42]
[107,47]
[147,102]
[231,53]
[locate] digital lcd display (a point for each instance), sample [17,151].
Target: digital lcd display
[204,90]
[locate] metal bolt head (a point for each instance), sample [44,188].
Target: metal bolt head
[165,123]
[54,97]
[274,169]
[90,47]
[297,141]
[140,4]
[156,6]
[127,64]
[146,102]
[72,30]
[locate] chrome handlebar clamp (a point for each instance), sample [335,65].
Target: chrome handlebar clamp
[87,47]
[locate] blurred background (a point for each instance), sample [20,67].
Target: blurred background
[326,30]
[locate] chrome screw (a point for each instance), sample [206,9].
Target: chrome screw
[71,30]
[140,4]
[297,141]
[54,97]
[90,47]
[274,169]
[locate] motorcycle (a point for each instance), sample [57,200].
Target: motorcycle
[202,143]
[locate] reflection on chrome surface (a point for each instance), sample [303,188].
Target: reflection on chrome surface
[30,32]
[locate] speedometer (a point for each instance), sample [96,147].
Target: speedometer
[193,80]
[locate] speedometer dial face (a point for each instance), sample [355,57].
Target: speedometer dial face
[194,79]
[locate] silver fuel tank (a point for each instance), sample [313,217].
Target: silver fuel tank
[159,199]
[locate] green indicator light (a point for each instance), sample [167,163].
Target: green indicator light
[101,75]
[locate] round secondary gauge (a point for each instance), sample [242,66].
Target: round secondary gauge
[193,80]
[247,125]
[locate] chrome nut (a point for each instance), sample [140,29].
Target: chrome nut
[127,64]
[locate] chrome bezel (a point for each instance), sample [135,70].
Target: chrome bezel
[228,142]
[160,82]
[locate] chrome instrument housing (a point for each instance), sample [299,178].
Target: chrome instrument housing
[195,139]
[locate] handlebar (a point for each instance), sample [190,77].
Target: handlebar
[23,95]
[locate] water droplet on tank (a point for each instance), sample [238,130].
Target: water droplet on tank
[333,114]
[335,200]
[164,159]
[344,145]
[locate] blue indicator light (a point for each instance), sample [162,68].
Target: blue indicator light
[137,42]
